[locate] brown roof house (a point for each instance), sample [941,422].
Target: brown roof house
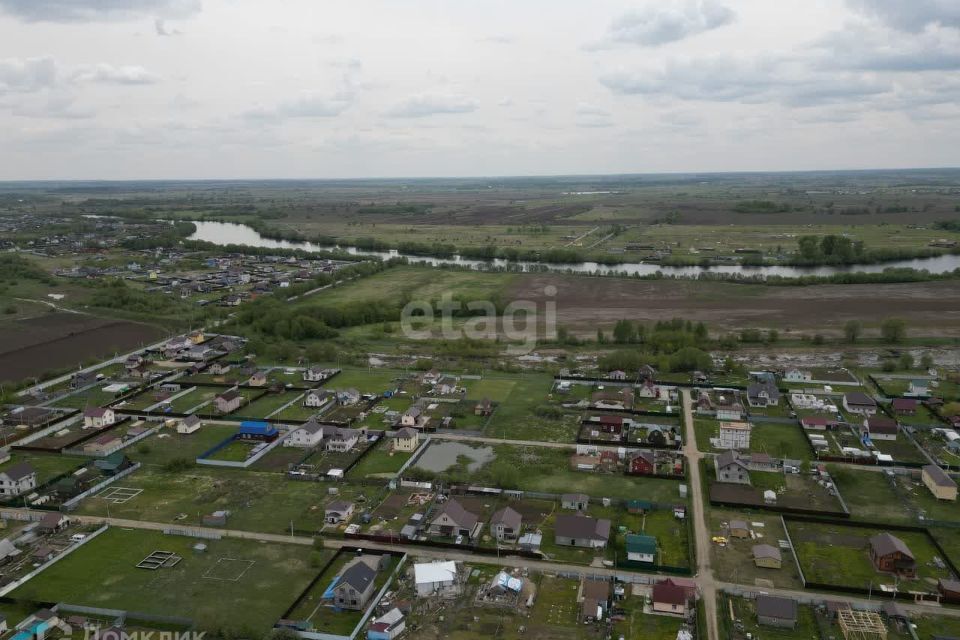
[891,555]
[228,401]
[594,599]
[670,597]
[881,428]
[581,531]
[453,520]
[505,524]
[859,403]
[767,556]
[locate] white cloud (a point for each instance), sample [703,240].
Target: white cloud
[94,10]
[111,74]
[911,15]
[25,75]
[428,104]
[661,23]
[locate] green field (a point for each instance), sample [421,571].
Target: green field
[381,462]
[777,440]
[47,465]
[235,585]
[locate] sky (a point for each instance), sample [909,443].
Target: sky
[206,89]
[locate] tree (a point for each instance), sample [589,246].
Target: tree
[601,338]
[624,332]
[852,330]
[926,361]
[906,361]
[809,247]
[818,339]
[773,335]
[893,330]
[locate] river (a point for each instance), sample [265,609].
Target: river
[224,233]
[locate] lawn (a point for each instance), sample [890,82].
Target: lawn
[265,406]
[381,462]
[103,574]
[257,501]
[168,445]
[520,417]
[235,451]
[835,554]
[639,626]
[869,494]
[47,465]
[365,380]
[777,440]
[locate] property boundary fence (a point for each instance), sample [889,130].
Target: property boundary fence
[73,502]
[125,615]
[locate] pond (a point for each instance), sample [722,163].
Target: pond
[224,233]
[441,456]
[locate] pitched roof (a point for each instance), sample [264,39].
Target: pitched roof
[574,497]
[667,592]
[95,412]
[358,575]
[859,398]
[18,471]
[428,572]
[881,424]
[885,543]
[311,426]
[939,476]
[576,526]
[455,511]
[508,517]
[641,543]
[766,551]
[728,458]
[774,607]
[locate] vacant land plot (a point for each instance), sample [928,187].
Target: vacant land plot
[382,462]
[733,560]
[168,445]
[266,406]
[257,501]
[103,573]
[836,554]
[30,348]
[47,465]
[584,303]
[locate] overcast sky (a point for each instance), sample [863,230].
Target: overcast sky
[118,89]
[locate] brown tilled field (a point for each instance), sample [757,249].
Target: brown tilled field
[584,304]
[56,340]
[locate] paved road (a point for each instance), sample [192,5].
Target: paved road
[708,587]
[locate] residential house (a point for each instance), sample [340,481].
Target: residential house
[918,389]
[581,531]
[594,599]
[939,483]
[616,374]
[949,590]
[190,424]
[341,439]
[762,391]
[317,374]
[98,417]
[357,581]
[728,406]
[113,464]
[796,375]
[670,598]
[258,379]
[904,406]
[445,385]
[405,439]
[880,428]
[767,556]
[505,524]
[646,372]
[317,398]
[731,469]
[453,520]
[761,462]
[17,479]
[337,511]
[348,397]
[774,611]
[483,408]
[411,417]
[891,555]
[219,368]
[641,548]
[228,401]
[53,522]
[817,423]
[306,436]
[648,390]
[643,463]
[575,501]
[436,578]
[133,361]
[388,626]
[734,435]
[859,403]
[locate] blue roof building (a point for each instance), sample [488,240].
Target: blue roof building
[255,430]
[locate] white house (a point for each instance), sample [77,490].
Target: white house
[317,398]
[734,435]
[98,417]
[306,436]
[436,578]
[796,375]
[918,388]
[410,417]
[190,424]
[18,478]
